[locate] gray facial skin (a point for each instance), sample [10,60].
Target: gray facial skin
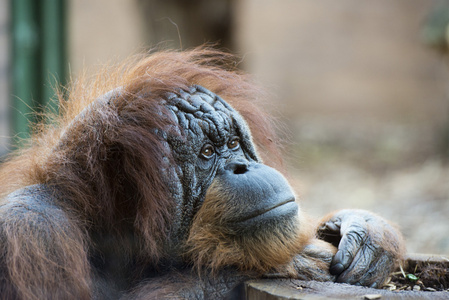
[202,143]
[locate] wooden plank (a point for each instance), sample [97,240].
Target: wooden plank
[280,289]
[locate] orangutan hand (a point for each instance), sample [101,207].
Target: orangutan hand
[369,248]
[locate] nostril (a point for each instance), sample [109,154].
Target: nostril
[237,167]
[241,169]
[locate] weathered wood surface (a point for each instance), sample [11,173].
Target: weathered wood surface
[278,289]
[281,289]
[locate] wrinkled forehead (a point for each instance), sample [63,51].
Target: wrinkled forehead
[203,113]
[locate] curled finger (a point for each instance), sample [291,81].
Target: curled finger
[353,239]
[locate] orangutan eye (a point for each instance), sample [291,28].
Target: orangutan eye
[234,144]
[208,151]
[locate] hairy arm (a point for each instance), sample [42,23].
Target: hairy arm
[41,249]
[186,284]
[312,263]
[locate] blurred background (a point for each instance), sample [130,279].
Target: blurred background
[360,86]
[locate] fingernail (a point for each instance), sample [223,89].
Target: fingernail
[338,257]
[337,269]
[332,226]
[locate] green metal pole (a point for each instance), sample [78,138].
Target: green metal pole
[39,59]
[53,50]
[25,39]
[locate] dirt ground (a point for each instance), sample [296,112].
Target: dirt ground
[413,193]
[415,198]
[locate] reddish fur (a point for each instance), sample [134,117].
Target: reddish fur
[212,246]
[79,164]
[35,268]
[106,170]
